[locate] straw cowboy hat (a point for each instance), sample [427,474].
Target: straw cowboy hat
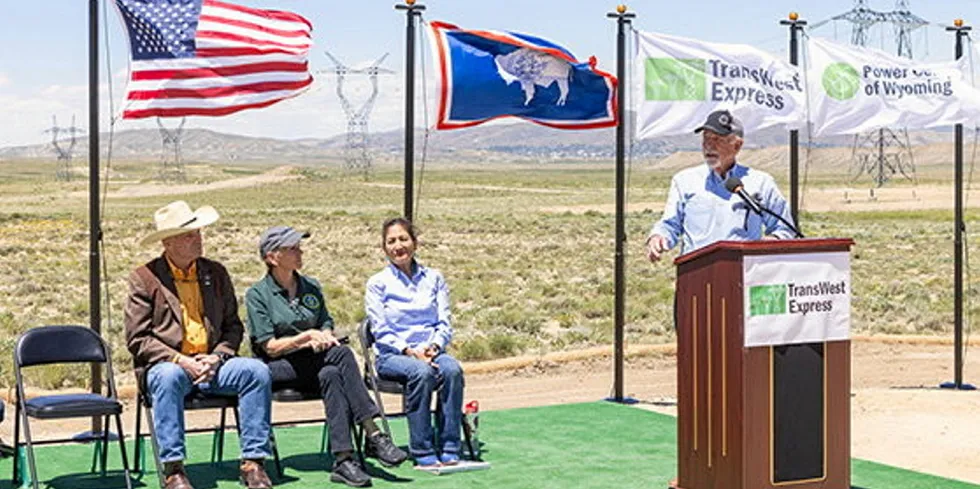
[177,218]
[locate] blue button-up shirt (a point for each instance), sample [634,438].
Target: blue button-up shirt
[701,211]
[408,312]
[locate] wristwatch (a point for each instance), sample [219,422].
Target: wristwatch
[223,357]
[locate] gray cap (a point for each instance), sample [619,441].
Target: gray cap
[279,237]
[723,123]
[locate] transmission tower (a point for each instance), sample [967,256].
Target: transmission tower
[357,158]
[883,153]
[171,161]
[64,171]
[904,22]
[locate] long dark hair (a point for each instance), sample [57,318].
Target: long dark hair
[398,221]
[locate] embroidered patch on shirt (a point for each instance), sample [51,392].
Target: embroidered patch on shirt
[311,301]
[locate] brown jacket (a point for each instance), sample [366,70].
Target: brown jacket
[153,318]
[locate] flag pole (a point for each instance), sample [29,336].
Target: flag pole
[623,19]
[95,231]
[412,10]
[961,31]
[795,27]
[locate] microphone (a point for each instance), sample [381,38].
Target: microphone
[734,185]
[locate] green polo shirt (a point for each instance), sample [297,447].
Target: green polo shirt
[272,315]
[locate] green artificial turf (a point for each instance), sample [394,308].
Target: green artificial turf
[592,445]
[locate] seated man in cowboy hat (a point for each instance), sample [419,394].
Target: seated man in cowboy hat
[183,329]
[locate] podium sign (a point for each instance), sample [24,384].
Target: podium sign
[763,365]
[796,298]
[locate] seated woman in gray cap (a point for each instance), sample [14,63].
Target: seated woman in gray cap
[292,331]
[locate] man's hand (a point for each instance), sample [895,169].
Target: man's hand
[195,370]
[211,362]
[656,247]
[432,351]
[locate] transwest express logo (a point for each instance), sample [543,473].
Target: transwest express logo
[686,79]
[792,298]
[675,79]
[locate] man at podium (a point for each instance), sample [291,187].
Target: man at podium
[700,208]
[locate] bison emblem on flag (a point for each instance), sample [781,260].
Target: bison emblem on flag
[486,75]
[530,68]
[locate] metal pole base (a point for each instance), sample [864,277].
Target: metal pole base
[626,400]
[961,387]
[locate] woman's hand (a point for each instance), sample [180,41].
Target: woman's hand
[323,340]
[421,355]
[306,339]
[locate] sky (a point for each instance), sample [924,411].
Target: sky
[44,63]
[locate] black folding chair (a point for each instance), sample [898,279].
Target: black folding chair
[287,394]
[290,392]
[377,385]
[65,344]
[194,401]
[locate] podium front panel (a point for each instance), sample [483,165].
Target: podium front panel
[754,417]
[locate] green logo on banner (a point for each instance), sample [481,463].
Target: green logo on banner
[675,79]
[767,299]
[841,81]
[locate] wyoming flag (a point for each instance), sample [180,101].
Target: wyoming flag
[486,75]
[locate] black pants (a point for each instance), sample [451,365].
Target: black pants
[335,374]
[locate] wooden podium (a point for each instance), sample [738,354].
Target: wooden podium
[769,416]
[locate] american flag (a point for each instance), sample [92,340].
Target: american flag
[211,58]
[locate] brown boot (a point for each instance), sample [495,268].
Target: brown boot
[253,476]
[175,477]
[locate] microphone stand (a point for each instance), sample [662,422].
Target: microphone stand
[780,218]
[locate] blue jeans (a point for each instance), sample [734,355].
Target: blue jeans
[246,378]
[420,380]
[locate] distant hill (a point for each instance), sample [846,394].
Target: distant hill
[488,143]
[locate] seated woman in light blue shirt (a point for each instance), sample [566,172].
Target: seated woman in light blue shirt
[408,306]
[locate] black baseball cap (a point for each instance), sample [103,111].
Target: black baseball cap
[279,237]
[723,123]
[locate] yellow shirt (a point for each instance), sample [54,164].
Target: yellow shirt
[192,310]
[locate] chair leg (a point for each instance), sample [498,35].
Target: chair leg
[324,440]
[218,440]
[138,440]
[357,433]
[381,407]
[30,449]
[275,451]
[122,450]
[438,431]
[18,480]
[468,438]
[105,443]
[155,446]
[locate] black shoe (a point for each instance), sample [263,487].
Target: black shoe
[379,446]
[350,472]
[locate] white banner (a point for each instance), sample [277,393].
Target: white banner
[854,89]
[797,298]
[684,80]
